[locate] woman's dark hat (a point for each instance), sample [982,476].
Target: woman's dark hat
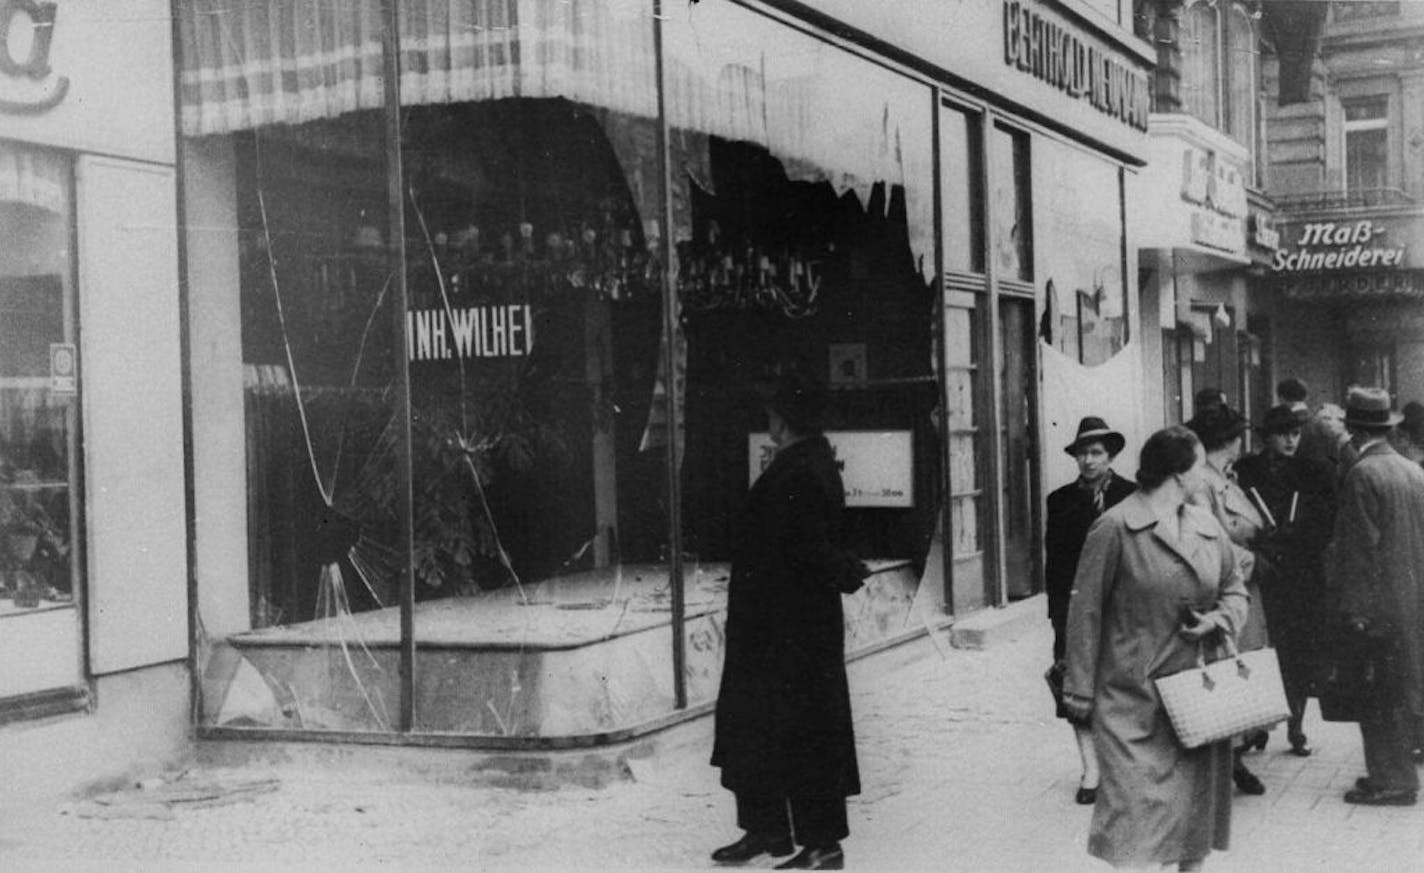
[1370,408]
[1218,425]
[1094,430]
[1280,419]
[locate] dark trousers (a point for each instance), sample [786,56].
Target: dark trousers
[1388,736]
[810,821]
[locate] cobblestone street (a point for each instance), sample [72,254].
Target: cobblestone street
[964,768]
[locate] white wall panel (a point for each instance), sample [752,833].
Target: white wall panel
[130,371]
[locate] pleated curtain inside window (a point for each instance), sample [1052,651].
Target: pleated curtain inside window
[260,62]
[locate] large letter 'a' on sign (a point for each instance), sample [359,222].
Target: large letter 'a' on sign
[39,18]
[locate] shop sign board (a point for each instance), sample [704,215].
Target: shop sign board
[1049,50]
[1357,286]
[877,466]
[1216,191]
[1264,232]
[80,75]
[28,84]
[1325,246]
[63,368]
[497,331]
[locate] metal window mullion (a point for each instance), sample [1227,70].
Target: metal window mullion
[990,364]
[674,484]
[395,261]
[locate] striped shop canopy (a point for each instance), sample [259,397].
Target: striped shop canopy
[249,63]
[731,73]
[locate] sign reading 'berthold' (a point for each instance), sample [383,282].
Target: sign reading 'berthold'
[1052,52]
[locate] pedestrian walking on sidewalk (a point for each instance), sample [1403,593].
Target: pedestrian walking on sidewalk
[1221,430]
[1298,496]
[1150,565]
[1374,577]
[1071,510]
[783,735]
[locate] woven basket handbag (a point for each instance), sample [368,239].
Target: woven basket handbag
[1213,701]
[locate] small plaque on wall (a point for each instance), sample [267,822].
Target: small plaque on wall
[63,368]
[847,363]
[877,466]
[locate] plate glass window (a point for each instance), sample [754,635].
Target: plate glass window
[1366,143]
[38,409]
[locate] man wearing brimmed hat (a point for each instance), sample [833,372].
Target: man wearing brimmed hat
[1071,510]
[1374,576]
[1298,496]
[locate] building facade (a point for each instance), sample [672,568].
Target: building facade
[1347,166]
[94,616]
[436,326]
[1210,231]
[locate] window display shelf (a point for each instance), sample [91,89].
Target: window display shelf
[34,486]
[8,609]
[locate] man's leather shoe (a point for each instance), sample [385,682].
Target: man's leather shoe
[750,846]
[1372,796]
[816,858]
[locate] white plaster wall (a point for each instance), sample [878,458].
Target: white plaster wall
[139,728]
[215,374]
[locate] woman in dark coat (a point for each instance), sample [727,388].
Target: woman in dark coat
[784,738]
[1071,510]
[1299,494]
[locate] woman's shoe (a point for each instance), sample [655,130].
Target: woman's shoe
[816,858]
[1299,747]
[1246,780]
[1256,740]
[1086,796]
[750,846]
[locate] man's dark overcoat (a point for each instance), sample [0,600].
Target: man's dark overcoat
[783,712]
[1377,568]
[1294,594]
[1069,514]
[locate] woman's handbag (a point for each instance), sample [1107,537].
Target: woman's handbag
[1238,693]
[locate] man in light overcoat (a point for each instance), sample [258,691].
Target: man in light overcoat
[1375,584]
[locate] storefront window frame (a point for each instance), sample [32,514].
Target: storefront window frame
[986,332]
[75,695]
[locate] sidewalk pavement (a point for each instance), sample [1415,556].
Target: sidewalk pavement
[963,765]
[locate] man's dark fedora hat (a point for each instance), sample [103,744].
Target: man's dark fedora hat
[1280,419]
[1370,408]
[1094,430]
[1218,425]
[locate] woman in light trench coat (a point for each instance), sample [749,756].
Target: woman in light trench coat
[1221,430]
[1146,562]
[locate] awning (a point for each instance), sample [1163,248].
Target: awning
[732,73]
[244,65]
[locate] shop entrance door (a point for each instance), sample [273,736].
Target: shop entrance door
[1018,426]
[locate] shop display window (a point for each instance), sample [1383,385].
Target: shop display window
[1010,186]
[1081,257]
[803,222]
[39,509]
[581,343]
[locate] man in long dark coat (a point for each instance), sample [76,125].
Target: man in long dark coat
[784,738]
[1375,578]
